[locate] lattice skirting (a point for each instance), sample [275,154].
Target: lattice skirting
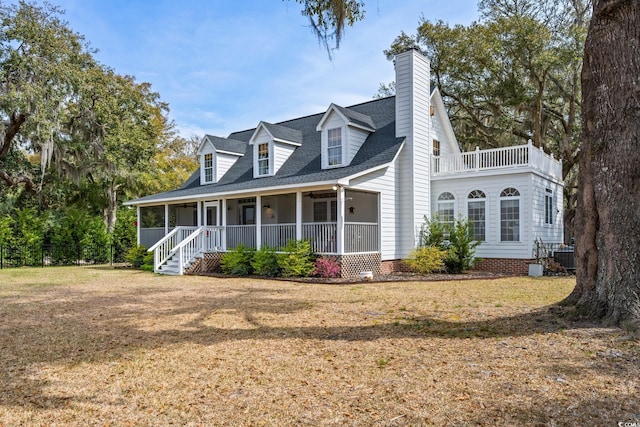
[210,262]
[352,265]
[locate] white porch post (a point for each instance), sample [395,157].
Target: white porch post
[166,219]
[223,223]
[199,208]
[298,215]
[340,225]
[258,221]
[138,224]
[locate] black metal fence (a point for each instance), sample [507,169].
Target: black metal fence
[46,255]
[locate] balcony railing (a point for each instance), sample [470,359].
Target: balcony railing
[213,239]
[497,158]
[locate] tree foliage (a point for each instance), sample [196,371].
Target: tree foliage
[329,18]
[60,107]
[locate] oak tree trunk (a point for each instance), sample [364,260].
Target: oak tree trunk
[608,211]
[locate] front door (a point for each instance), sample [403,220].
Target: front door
[248,215]
[212,235]
[211,214]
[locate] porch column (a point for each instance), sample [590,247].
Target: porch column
[298,215]
[138,224]
[223,223]
[199,207]
[166,219]
[258,221]
[340,225]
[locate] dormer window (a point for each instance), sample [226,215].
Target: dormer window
[343,132]
[334,146]
[208,167]
[263,159]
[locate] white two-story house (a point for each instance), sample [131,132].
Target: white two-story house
[357,182]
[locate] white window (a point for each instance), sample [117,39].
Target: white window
[208,167]
[476,214]
[446,208]
[510,215]
[548,207]
[334,147]
[324,211]
[263,159]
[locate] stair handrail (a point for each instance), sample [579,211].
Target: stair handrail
[162,249]
[188,247]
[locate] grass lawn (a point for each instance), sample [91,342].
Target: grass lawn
[99,346]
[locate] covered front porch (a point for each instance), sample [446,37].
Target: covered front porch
[335,220]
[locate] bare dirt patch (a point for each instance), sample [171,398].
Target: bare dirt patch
[98,346]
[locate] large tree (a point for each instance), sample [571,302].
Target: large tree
[608,214]
[59,106]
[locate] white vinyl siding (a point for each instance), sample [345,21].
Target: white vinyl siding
[223,164]
[281,153]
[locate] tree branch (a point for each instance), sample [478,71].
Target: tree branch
[20,179]
[608,7]
[15,122]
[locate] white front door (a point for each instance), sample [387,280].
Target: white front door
[212,235]
[211,214]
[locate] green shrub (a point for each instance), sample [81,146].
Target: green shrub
[238,261]
[426,260]
[124,233]
[265,262]
[455,239]
[147,262]
[297,260]
[136,255]
[461,247]
[96,241]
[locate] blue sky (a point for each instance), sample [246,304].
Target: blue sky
[223,65]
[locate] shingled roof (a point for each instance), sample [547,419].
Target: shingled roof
[304,164]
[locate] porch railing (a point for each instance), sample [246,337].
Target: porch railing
[213,238]
[322,236]
[245,234]
[361,237]
[497,158]
[277,235]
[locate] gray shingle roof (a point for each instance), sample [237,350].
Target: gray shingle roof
[357,118]
[304,164]
[284,133]
[226,144]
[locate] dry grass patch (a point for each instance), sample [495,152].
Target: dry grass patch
[97,346]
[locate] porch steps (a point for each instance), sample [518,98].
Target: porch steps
[171,267]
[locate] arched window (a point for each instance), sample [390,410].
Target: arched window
[510,215]
[446,208]
[476,214]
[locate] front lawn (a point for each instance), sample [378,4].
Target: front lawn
[100,346]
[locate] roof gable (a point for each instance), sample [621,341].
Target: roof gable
[278,133]
[222,145]
[350,117]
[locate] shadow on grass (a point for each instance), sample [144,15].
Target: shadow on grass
[75,326]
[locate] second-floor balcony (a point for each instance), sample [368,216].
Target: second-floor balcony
[519,156]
